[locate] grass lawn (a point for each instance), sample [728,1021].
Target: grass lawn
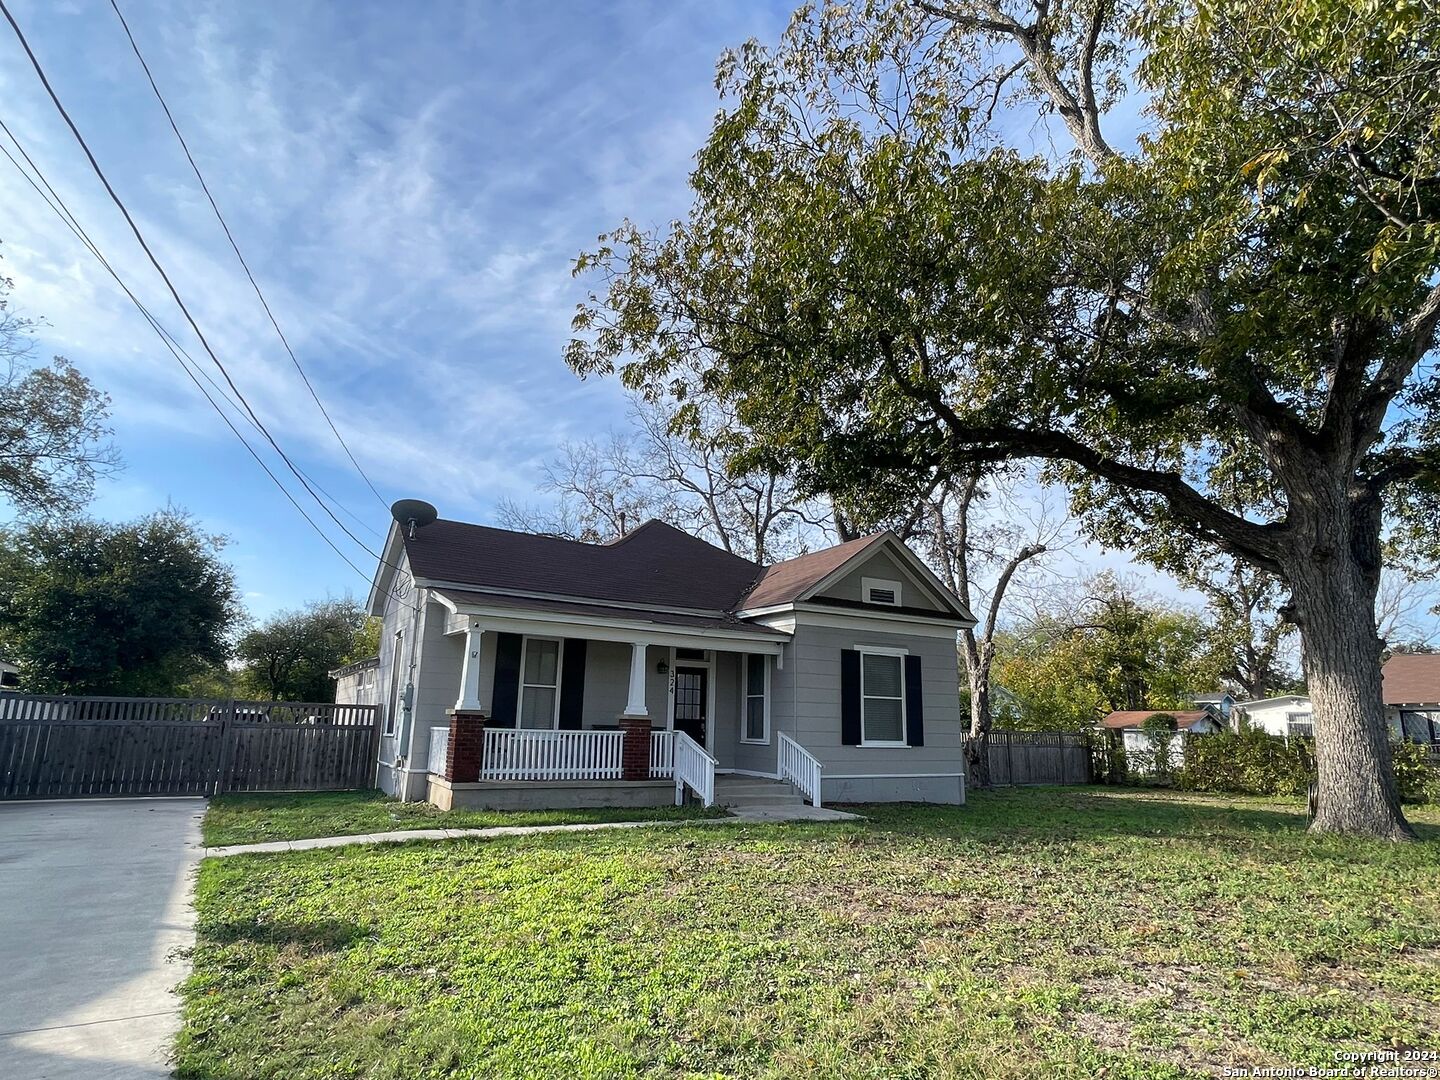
[253,819]
[1042,932]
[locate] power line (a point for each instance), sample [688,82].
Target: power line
[236,248]
[176,350]
[144,245]
[65,215]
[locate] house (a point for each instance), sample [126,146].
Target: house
[1411,688]
[519,670]
[1222,701]
[357,683]
[9,676]
[1284,716]
[1130,723]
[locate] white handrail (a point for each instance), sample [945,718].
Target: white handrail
[525,754]
[662,754]
[695,767]
[439,743]
[800,767]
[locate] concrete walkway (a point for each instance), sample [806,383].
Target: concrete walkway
[400,836]
[96,902]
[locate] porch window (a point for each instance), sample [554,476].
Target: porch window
[882,698]
[540,683]
[757,710]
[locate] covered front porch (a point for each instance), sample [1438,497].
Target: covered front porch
[562,708]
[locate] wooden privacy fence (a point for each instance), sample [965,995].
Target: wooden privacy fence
[56,747]
[1039,757]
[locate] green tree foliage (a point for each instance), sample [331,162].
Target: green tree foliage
[289,657]
[1112,650]
[91,607]
[1219,336]
[54,441]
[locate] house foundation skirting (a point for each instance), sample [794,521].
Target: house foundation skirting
[548,794]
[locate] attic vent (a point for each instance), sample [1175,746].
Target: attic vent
[880,591]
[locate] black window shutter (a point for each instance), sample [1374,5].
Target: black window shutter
[914,705]
[572,683]
[850,733]
[507,680]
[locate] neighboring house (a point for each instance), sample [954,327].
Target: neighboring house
[358,683]
[1221,701]
[9,676]
[524,670]
[1411,690]
[1130,723]
[1282,716]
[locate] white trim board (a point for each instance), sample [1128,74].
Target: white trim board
[889,775]
[597,629]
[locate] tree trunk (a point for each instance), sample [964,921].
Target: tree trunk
[978,656]
[1333,601]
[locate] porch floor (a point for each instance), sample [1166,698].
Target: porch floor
[549,794]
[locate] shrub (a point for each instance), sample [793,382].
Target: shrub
[1254,763]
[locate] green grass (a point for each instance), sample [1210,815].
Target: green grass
[1043,932]
[253,819]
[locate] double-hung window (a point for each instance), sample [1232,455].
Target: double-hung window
[882,698]
[540,683]
[757,710]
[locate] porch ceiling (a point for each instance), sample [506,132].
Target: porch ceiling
[603,621]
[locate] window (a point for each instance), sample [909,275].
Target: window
[691,654]
[398,642]
[540,683]
[757,706]
[1301,724]
[882,698]
[880,591]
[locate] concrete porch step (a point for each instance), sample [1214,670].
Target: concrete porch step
[750,791]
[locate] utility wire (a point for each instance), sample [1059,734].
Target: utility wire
[236,248]
[57,204]
[176,350]
[160,269]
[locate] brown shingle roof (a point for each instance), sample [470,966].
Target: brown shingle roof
[784,581]
[1135,717]
[1412,679]
[654,565]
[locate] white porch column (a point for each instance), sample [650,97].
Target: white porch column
[469,699]
[635,705]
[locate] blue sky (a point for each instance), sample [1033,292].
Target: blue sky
[410,183]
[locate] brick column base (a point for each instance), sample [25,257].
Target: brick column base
[635,751]
[465,754]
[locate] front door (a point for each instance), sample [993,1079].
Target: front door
[692,691]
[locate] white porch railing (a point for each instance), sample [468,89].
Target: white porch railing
[439,743]
[799,766]
[552,755]
[695,767]
[662,754]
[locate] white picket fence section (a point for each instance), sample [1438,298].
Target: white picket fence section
[693,766]
[800,767]
[439,744]
[552,755]
[662,754]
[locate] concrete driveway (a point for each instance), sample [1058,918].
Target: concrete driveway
[94,908]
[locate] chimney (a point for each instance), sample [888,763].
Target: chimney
[622,522]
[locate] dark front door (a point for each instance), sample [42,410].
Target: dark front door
[692,691]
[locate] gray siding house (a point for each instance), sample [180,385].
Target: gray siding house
[518,670]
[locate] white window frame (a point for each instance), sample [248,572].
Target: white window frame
[392,706]
[745,697]
[868,583]
[901,654]
[520,695]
